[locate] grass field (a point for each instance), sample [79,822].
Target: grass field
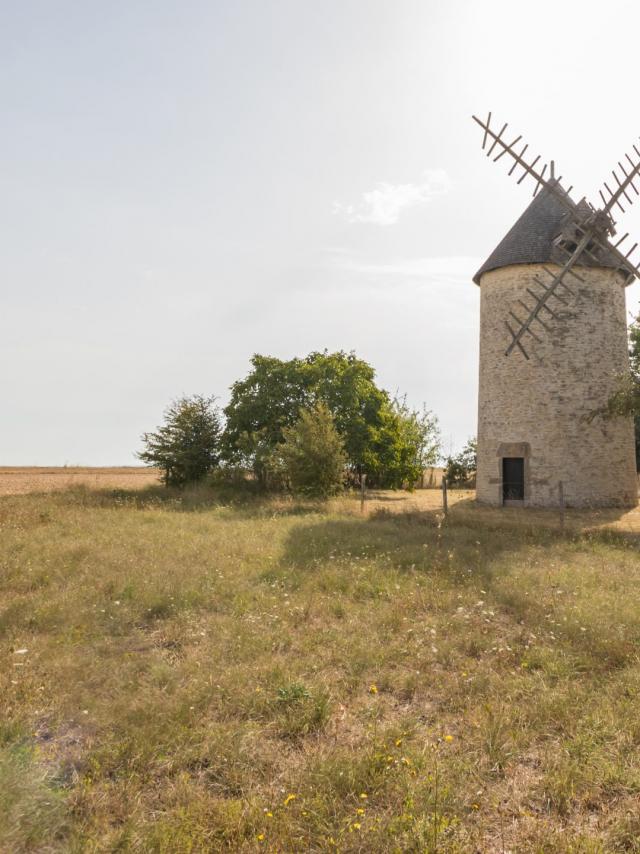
[189,673]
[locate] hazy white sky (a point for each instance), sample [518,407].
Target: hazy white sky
[187,183]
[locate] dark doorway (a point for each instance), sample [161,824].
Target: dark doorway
[512,479]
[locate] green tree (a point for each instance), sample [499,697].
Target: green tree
[261,406]
[634,364]
[375,432]
[407,442]
[187,446]
[626,398]
[313,454]
[460,470]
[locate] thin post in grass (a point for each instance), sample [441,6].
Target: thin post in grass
[561,497]
[435,806]
[445,500]
[363,491]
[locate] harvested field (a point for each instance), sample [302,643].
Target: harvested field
[20,480]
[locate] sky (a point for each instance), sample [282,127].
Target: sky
[185,184]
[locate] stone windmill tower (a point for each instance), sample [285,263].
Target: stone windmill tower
[553,343]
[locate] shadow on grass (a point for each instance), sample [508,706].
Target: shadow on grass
[474,533]
[574,518]
[465,551]
[412,538]
[390,497]
[244,502]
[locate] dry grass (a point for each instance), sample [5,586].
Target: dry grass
[181,673]
[18,480]
[623,520]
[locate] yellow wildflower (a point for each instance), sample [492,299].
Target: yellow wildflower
[373,688]
[364,796]
[260,837]
[448,739]
[398,742]
[288,799]
[356,825]
[360,811]
[269,814]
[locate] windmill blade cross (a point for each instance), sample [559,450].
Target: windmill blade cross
[592,228]
[541,300]
[529,168]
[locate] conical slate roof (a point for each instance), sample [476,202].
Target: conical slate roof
[530,240]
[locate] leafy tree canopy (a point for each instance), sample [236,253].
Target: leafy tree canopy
[187,446]
[382,438]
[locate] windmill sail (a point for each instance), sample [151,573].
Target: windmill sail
[549,290]
[622,187]
[496,141]
[579,234]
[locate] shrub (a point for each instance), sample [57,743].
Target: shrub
[313,455]
[186,446]
[625,400]
[406,443]
[460,470]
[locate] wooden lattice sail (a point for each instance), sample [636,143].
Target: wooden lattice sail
[581,234]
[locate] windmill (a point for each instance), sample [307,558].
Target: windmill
[552,303]
[585,234]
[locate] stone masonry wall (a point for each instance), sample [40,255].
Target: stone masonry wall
[536,408]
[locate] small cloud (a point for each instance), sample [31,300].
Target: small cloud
[384,204]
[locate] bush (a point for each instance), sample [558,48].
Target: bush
[186,446]
[406,443]
[460,470]
[625,400]
[312,454]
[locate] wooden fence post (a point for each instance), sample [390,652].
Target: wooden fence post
[445,503]
[561,495]
[363,491]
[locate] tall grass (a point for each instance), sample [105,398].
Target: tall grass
[189,672]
